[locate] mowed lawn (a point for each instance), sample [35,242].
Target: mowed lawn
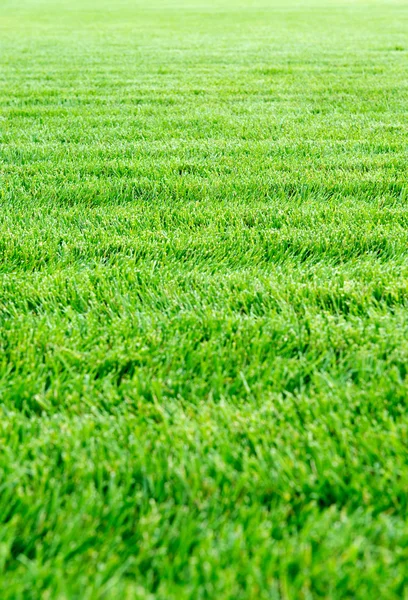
[203,299]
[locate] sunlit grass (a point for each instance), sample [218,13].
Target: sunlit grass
[203,300]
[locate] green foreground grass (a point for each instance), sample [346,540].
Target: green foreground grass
[203,301]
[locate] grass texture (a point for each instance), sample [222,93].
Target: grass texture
[203,299]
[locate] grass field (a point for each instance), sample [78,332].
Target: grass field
[203,299]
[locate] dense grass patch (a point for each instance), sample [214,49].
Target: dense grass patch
[203,300]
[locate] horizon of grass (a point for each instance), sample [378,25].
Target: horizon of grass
[203,299]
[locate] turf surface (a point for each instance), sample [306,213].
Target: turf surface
[203,299]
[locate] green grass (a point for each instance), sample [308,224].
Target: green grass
[203,299]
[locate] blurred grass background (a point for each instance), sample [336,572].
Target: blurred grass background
[203,299]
